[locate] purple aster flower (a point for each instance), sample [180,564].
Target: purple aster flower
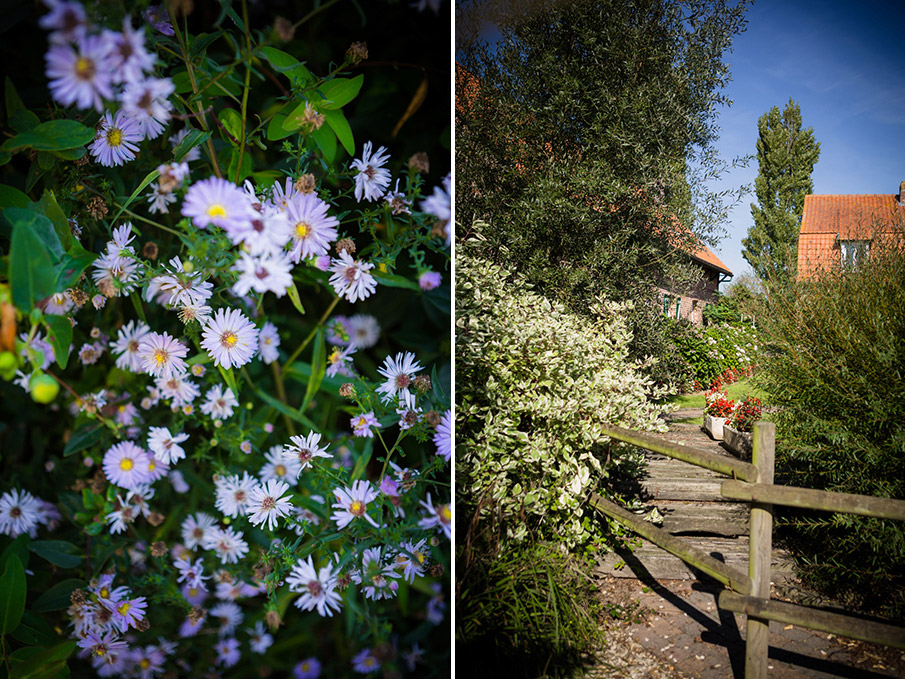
[19,512]
[265,504]
[316,586]
[311,227]
[129,613]
[439,205]
[157,17]
[147,102]
[399,372]
[66,19]
[219,202]
[269,343]
[309,668]
[230,338]
[117,139]
[127,465]
[438,516]
[352,503]
[372,178]
[365,662]
[351,279]
[361,424]
[128,57]
[443,437]
[429,280]
[265,273]
[83,78]
[162,355]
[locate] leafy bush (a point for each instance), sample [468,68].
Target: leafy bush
[537,383]
[834,362]
[532,607]
[715,351]
[224,341]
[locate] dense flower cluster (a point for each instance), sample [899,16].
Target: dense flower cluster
[746,414]
[252,413]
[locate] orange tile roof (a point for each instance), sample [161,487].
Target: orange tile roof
[829,219]
[704,254]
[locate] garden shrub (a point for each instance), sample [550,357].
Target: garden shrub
[224,413]
[537,383]
[833,365]
[707,353]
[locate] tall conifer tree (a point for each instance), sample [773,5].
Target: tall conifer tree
[786,155]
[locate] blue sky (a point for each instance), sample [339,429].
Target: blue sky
[844,63]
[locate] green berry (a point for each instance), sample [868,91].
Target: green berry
[43,388]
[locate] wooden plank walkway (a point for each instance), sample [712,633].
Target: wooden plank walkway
[689,499]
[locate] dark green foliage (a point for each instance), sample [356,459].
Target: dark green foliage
[576,133]
[835,366]
[530,612]
[786,155]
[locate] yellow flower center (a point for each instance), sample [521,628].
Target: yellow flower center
[126,464]
[151,465]
[84,68]
[302,229]
[228,339]
[420,557]
[280,470]
[124,607]
[334,356]
[114,136]
[160,356]
[145,663]
[216,210]
[357,508]
[445,514]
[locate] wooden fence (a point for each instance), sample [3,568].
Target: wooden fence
[750,593]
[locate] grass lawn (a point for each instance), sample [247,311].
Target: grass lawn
[736,392]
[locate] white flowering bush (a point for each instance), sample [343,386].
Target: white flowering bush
[536,384]
[224,343]
[708,353]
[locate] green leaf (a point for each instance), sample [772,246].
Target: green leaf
[294,297]
[57,552]
[141,187]
[24,120]
[60,335]
[11,98]
[233,163]
[192,139]
[39,225]
[318,369]
[340,126]
[17,548]
[281,407]
[230,378]
[362,462]
[139,308]
[12,197]
[49,207]
[301,373]
[275,130]
[339,92]
[70,154]
[44,665]
[288,65]
[74,262]
[34,630]
[232,122]
[83,438]
[32,274]
[395,281]
[53,135]
[12,595]
[57,597]
[325,139]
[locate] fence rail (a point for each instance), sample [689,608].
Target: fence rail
[751,595]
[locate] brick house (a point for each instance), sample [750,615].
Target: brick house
[837,231]
[690,303]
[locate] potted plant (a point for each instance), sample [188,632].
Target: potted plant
[717,410]
[737,431]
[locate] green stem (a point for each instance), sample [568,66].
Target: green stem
[307,341]
[390,452]
[191,71]
[313,12]
[281,394]
[244,91]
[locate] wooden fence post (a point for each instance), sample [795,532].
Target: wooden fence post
[760,547]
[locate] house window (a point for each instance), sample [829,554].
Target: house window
[678,307]
[854,252]
[666,305]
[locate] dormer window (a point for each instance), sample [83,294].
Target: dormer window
[854,252]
